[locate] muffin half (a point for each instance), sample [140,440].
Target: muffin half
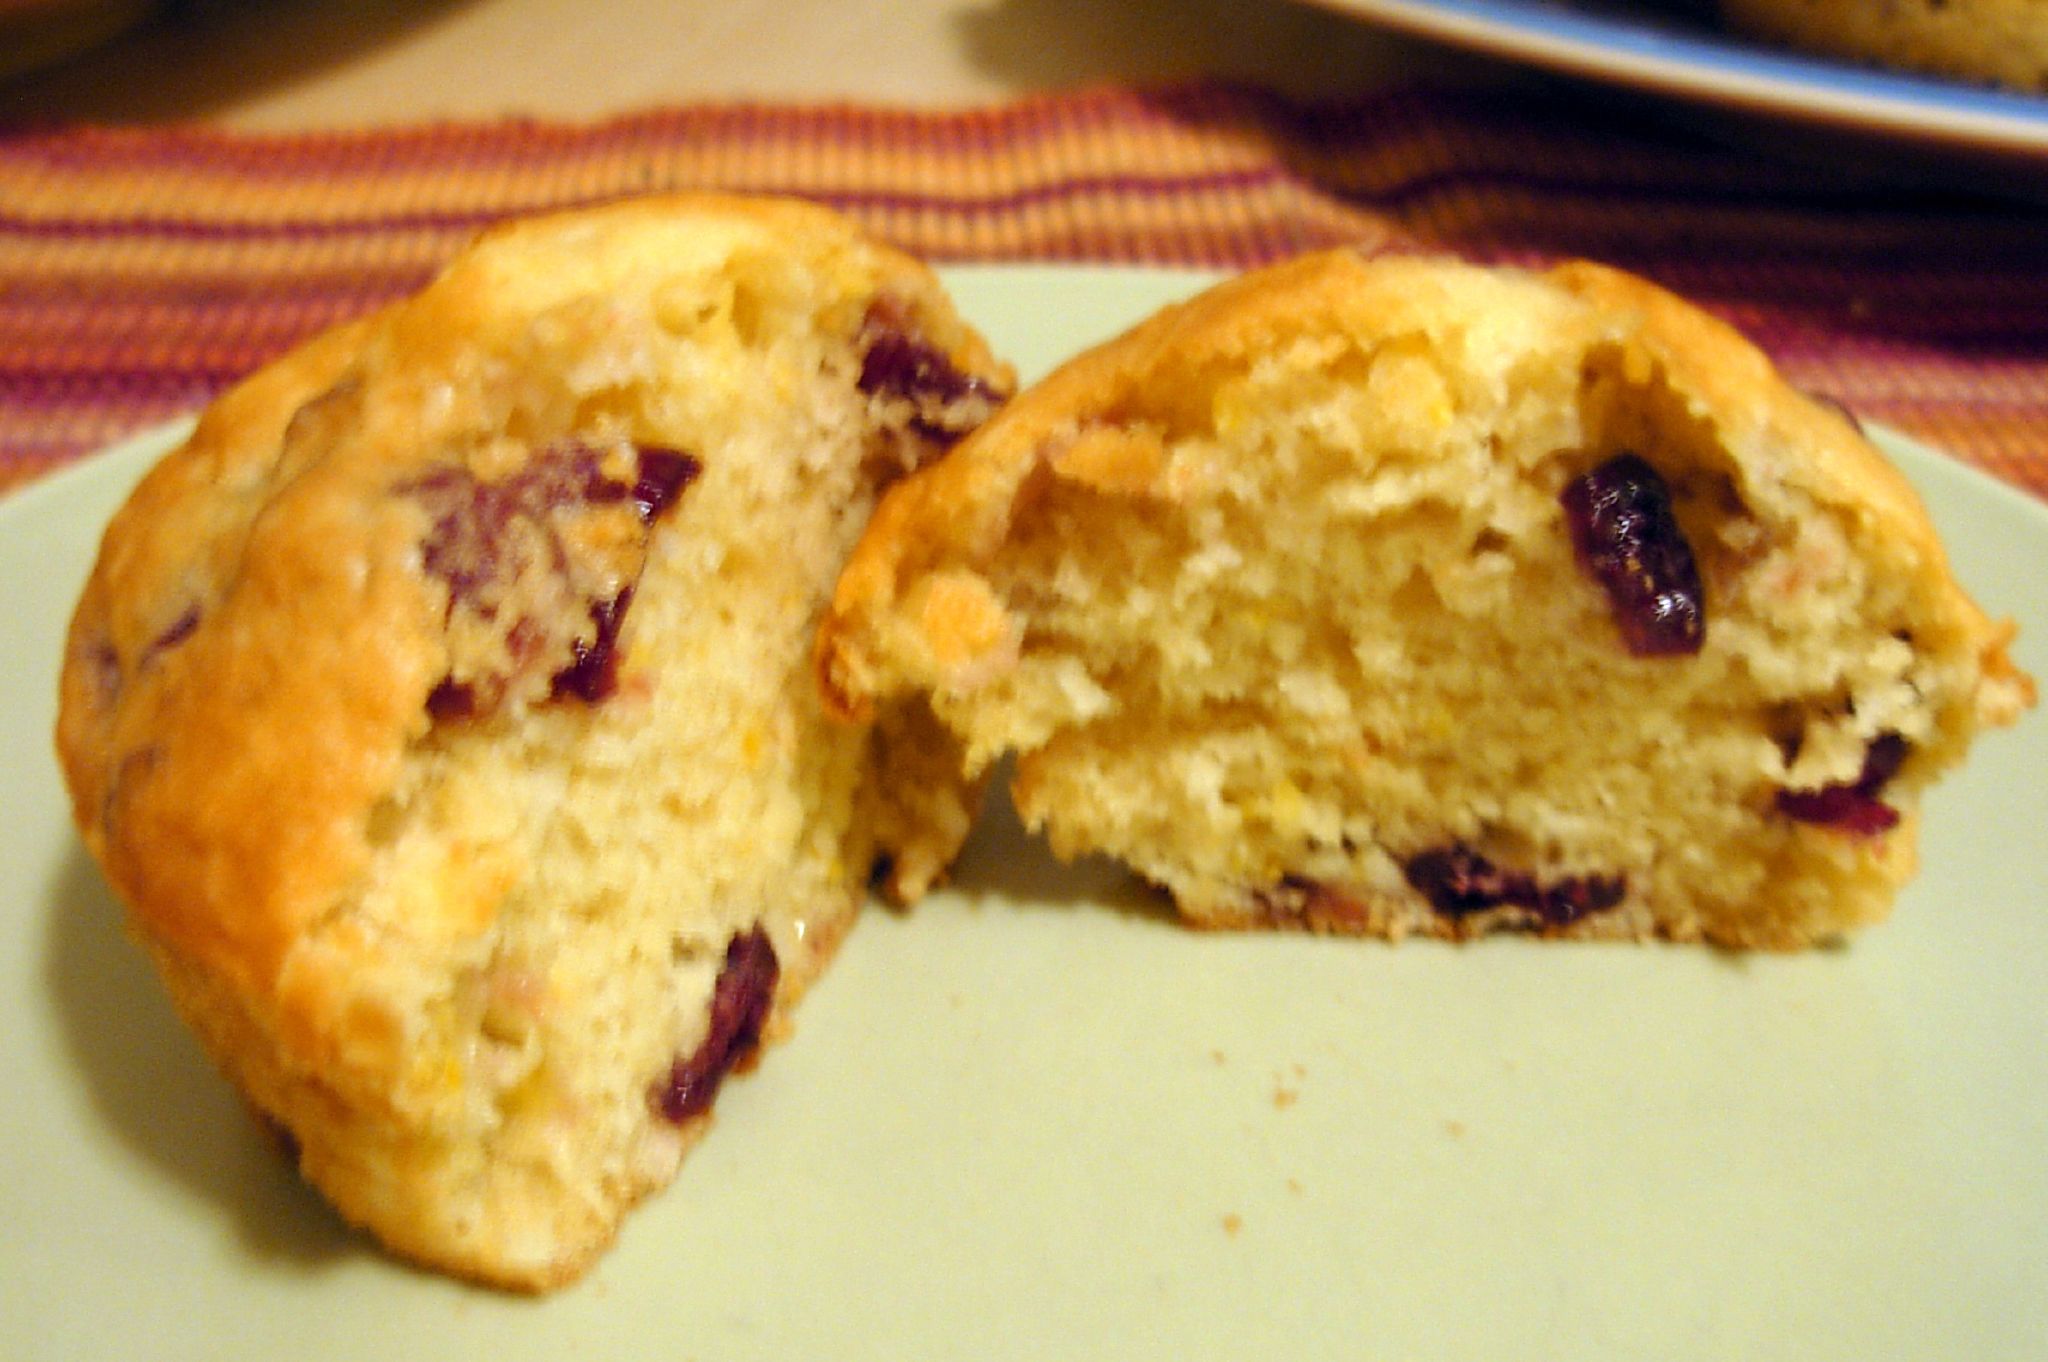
[443,710]
[1408,596]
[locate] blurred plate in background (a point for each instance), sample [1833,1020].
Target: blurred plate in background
[1667,48]
[37,33]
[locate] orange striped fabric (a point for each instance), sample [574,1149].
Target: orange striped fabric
[143,270]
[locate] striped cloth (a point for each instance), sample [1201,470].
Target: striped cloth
[143,270]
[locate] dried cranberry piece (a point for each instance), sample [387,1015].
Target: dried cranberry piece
[1854,806]
[1576,896]
[1886,755]
[460,549]
[898,363]
[1629,542]
[593,672]
[1458,881]
[1839,807]
[739,1007]
[487,534]
[901,365]
[477,524]
[664,474]
[450,701]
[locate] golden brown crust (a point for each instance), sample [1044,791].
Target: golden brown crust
[189,521]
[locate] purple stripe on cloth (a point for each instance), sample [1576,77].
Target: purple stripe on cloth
[140,268]
[183,229]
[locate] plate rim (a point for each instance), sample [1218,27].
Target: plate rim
[1921,108]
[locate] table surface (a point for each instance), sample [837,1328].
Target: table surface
[1790,231]
[294,64]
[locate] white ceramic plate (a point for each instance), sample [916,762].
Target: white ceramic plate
[1646,45]
[1033,1119]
